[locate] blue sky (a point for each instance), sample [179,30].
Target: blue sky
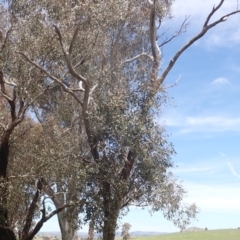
[203,120]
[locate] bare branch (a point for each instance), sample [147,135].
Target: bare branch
[10,83]
[194,39]
[212,12]
[92,90]
[45,218]
[172,85]
[136,57]
[66,89]
[82,61]
[73,40]
[5,96]
[68,60]
[180,31]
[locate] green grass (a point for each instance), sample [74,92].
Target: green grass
[201,235]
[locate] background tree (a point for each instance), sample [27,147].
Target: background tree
[125,231]
[20,147]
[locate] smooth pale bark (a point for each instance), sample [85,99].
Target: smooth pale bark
[91,230]
[68,229]
[68,232]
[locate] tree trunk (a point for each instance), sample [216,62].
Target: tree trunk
[68,232]
[5,232]
[91,230]
[111,212]
[111,223]
[68,228]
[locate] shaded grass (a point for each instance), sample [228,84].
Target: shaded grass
[228,234]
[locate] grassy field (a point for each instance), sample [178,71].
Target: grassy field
[201,235]
[228,234]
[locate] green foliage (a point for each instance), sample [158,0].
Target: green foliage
[89,77]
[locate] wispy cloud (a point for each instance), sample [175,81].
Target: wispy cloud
[232,169]
[217,121]
[220,80]
[204,124]
[191,170]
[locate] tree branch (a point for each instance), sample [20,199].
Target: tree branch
[65,88]
[73,40]
[45,218]
[205,28]
[136,57]
[31,210]
[180,30]
[212,12]
[67,57]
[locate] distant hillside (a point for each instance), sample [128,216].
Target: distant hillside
[141,233]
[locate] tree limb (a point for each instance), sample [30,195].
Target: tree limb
[67,57]
[180,30]
[212,12]
[65,88]
[205,28]
[73,40]
[136,57]
[31,210]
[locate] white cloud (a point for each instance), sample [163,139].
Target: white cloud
[220,80]
[213,197]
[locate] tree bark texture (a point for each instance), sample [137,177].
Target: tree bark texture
[112,206]
[68,230]
[5,232]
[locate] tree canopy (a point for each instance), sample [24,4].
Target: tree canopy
[81,92]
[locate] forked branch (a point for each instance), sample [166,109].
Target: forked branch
[204,30]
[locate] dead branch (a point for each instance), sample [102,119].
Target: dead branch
[178,33]
[204,30]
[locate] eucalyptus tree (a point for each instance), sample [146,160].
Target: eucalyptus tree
[112,59]
[105,55]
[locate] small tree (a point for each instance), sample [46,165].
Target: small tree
[125,231]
